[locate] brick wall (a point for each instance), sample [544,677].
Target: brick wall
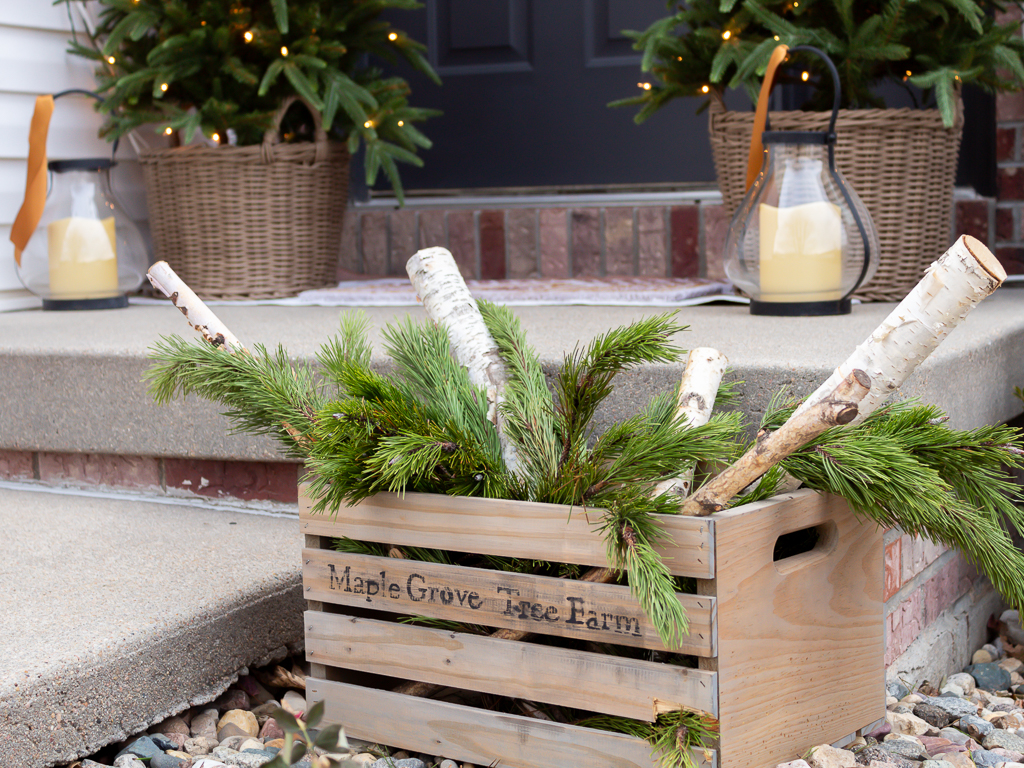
[582,241]
[246,480]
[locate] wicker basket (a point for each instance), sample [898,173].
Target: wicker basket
[255,222]
[901,162]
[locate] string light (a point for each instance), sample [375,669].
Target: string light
[202,23]
[776,38]
[368,124]
[393,36]
[248,36]
[401,123]
[111,59]
[704,89]
[284,50]
[909,73]
[645,86]
[168,130]
[163,87]
[726,35]
[805,75]
[216,137]
[679,58]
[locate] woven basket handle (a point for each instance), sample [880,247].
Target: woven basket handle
[756,155]
[273,135]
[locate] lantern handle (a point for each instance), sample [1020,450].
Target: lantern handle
[761,122]
[98,98]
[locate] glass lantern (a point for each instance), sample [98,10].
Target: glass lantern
[801,241]
[85,252]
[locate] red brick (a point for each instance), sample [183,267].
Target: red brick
[492,245]
[910,621]
[891,631]
[618,241]
[462,242]
[1006,144]
[716,225]
[1012,260]
[374,232]
[972,219]
[348,261]
[651,252]
[1004,225]
[521,241]
[99,469]
[433,233]
[1010,183]
[892,569]
[553,230]
[404,240]
[1009,107]
[685,224]
[16,465]
[247,480]
[586,242]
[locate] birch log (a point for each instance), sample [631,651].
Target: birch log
[697,390]
[838,408]
[447,301]
[953,286]
[199,316]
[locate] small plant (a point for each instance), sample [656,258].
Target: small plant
[299,737]
[224,68]
[709,45]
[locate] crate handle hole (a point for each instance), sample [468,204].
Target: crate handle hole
[800,548]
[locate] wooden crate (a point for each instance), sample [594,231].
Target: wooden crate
[791,651]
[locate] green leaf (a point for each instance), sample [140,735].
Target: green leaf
[328,738]
[303,86]
[315,715]
[271,75]
[280,15]
[286,720]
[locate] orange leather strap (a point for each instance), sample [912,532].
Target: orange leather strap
[35,183]
[756,156]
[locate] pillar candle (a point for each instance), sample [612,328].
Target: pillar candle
[801,255]
[83,258]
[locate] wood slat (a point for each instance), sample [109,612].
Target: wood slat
[474,735]
[604,613]
[551,532]
[797,632]
[590,681]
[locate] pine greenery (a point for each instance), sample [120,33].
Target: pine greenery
[425,428]
[215,67]
[710,45]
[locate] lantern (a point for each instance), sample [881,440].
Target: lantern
[801,241]
[74,245]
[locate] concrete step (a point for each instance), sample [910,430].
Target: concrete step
[116,612]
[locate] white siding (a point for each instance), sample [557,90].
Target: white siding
[33,61]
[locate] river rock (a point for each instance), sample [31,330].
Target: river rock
[257,693]
[897,689]
[908,724]
[982,757]
[905,748]
[876,753]
[826,756]
[207,762]
[365,758]
[128,761]
[1003,740]
[163,760]
[140,747]
[936,764]
[976,727]
[205,724]
[232,698]
[200,745]
[955,706]
[981,656]
[390,762]
[963,680]
[990,677]
[231,731]
[933,715]
[241,718]
[954,735]
[174,724]
[271,730]
[959,759]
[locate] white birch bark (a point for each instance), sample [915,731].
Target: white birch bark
[447,301]
[838,408]
[199,316]
[953,286]
[697,390]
